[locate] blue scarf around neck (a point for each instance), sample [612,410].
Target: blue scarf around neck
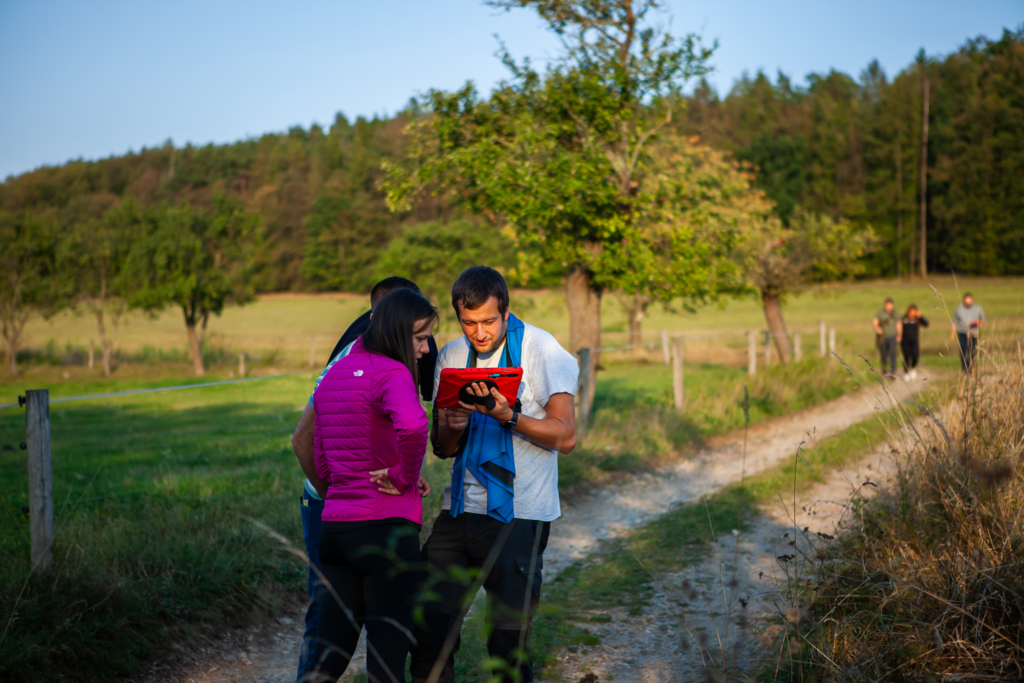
[488,453]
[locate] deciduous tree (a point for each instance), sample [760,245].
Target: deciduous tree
[93,255]
[785,261]
[561,157]
[198,261]
[30,282]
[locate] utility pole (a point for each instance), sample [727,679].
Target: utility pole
[899,207]
[924,165]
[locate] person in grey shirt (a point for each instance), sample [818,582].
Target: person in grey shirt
[889,328]
[967,320]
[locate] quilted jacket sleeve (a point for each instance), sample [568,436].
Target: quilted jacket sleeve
[319,457]
[397,397]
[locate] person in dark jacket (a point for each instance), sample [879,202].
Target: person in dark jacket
[911,341]
[312,500]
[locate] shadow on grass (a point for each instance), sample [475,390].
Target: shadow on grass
[150,539]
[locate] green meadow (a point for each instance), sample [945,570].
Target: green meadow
[162,500]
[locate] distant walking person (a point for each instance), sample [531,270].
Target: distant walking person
[911,341]
[890,331]
[967,320]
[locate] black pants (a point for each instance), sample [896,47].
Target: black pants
[888,350]
[968,350]
[911,353]
[375,572]
[467,541]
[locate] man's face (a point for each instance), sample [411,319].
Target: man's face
[889,306]
[484,327]
[968,301]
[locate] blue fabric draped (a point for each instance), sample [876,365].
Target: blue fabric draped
[488,453]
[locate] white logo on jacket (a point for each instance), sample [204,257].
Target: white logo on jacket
[358,373]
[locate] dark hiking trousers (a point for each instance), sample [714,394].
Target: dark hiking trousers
[464,542]
[968,350]
[375,570]
[888,350]
[911,353]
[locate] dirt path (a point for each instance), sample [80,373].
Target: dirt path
[584,524]
[268,653]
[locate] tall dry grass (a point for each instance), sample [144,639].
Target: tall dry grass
[930,586]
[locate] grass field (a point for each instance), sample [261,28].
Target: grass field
[277,330]
[157,495]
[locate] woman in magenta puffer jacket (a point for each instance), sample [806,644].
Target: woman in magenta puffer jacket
[370,439]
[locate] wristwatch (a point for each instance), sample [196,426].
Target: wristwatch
[511,424]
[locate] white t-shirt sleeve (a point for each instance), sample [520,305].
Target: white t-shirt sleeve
[552,369]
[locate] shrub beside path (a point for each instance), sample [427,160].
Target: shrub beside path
[268,653]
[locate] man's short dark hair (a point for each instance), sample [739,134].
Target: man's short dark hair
[888,300]
[388,285]
[478,284]
[968,294]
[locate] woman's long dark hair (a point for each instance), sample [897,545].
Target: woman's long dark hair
[391,327]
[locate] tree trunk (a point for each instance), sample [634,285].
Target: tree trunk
[777,326]
[899,210]
[195,347]
[104,342]
[12,335]
[12,357]
[635,306]
[108,348]
[584,302]
[636,316]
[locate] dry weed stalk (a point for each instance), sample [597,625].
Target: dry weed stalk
[931,584]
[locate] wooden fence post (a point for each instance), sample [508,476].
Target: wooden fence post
[664,346]
[752,353]
[312,353]
[40,479]
[767,348]
[821,331]
[677,374]
[832,340]
[241,365]
[92,353]
[798,351]
[582,409]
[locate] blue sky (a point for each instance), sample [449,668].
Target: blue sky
[90,79]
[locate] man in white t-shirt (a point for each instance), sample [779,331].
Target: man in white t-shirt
[499,525]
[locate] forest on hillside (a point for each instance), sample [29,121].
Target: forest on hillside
[851,148]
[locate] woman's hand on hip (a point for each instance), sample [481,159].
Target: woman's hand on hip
[424,487]
[384,485]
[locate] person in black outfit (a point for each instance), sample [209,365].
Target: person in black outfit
[911,341]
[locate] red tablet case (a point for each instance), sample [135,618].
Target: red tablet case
[453,379]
